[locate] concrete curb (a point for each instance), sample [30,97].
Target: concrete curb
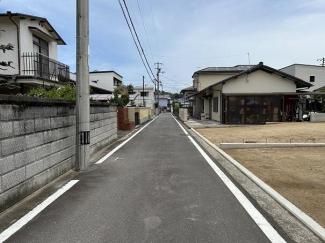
[301,216]
[268,145]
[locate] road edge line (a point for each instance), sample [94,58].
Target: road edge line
[300,215]
[256,215]
[39,208]
[105,157]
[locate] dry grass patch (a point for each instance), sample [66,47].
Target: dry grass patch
[276,133]
[298,174]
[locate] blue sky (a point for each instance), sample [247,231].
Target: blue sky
[186,34]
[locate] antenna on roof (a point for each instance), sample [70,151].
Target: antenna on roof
[198,68]
[322,61]
[249,60]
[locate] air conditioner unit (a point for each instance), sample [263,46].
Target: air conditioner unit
[203,117]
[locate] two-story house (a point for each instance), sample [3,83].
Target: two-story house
[313,74]
[33,58]
[143,96]
[107,80]
[29,55]
[247,95]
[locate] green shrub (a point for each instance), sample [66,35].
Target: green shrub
[67,92]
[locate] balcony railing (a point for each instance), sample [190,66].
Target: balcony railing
[42,66]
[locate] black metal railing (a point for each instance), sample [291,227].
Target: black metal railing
[42,66]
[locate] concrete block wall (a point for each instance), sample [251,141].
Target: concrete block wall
[37,142]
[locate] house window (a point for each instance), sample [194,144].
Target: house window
[312,79]
[117,82]
[40,46]
[215,104]
[144,94]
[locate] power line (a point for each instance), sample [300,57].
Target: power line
[144,26]
[154,25]
[135,40]
[135,32]
[199,57]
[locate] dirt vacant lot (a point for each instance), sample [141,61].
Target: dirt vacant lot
[275,133]
[298,174]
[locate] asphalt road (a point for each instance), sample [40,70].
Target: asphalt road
[156,188]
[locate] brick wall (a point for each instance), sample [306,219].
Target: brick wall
[123,122]
[37,142]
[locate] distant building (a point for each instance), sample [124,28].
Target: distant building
[146,94]
[164,102]
[246,94]
[312,74]
[107,80]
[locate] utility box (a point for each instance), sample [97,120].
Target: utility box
[183,114]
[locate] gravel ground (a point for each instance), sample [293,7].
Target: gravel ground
[298,174]
[275,133]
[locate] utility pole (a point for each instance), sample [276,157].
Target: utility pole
[144,105]
[82,101]
[322,61]
[158,82]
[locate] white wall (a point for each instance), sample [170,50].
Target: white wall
[149,100]
[26,40]
[205,80]
[105,80]
[304,72]
[259,82]
[10,36]
[217,115]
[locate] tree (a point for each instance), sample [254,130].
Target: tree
[130,89]
[121,97]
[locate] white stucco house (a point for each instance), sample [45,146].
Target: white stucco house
[34,58]
[245,94]
[143,94]
[107,80]
[164,102]
[309,73]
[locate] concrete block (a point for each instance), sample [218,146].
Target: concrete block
[42,124]
[7,164]
[106,115]
[49,136]
[51,161]
[47,111]
[12,145]
[92,117]
[6,129]
[23,127]
[63,111]
[29,126]
[34,140]
[43,151]
[33,112]
[56,122]
[34,168]
[30,156]
[6,112]
[13,178]
[54,111]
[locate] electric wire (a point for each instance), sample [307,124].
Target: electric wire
[137,37]
[135,41]
[144,26]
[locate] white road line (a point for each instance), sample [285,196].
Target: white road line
[122,144]
[39,208]
[259,219]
